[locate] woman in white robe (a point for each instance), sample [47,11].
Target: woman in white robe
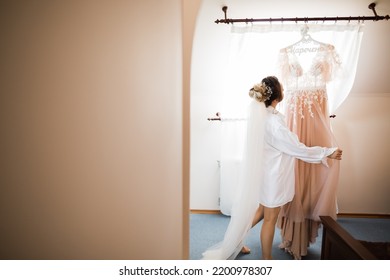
[267,172]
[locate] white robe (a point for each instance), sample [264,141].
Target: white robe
[281,148]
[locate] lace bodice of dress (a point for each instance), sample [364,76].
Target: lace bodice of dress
[305,73]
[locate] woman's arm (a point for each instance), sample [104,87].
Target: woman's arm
[287,142]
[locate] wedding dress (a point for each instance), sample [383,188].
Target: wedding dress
[306,69]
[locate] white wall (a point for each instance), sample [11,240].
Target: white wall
[92,130]
[208,61]
[363,131]
[361,126]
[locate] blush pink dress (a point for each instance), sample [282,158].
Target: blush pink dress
[305,72]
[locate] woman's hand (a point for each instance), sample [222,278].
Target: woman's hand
[336,154]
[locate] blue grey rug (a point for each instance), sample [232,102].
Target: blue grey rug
[208,229]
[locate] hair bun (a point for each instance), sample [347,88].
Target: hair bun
[261,92]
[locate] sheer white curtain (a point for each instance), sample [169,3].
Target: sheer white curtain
[254,53]
[232,131]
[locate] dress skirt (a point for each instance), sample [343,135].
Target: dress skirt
[315,184]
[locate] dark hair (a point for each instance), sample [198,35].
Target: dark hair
[276,88]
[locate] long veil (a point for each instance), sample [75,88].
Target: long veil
[247,197]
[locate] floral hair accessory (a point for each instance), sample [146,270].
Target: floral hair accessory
[261,92]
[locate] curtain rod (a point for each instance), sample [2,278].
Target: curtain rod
[218,118]
[305,19]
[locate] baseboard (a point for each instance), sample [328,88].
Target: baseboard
[198,211]
[340,215]
[363,215]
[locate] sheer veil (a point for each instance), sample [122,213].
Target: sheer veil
[247,196]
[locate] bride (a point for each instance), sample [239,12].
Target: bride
[267,172]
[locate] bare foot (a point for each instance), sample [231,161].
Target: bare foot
[245,250]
